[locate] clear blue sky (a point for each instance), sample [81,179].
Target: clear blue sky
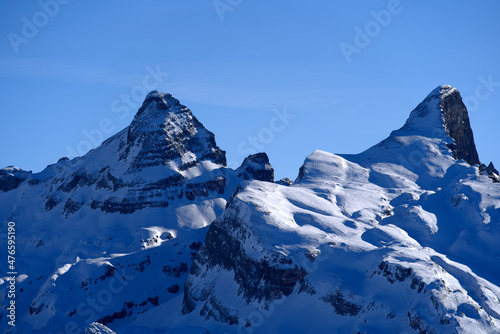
[64,70]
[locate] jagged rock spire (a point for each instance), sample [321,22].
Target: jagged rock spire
[257,166]
[457,125]
[163,130]
[443,114]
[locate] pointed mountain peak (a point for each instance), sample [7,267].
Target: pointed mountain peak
[161,99]
[491,171]
[157,94]
[442,91]
[164,131]
[427,118]
[257,166]
[442,114]
[155,109]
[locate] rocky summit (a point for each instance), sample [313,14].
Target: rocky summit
[451,116]
[101,222]
[164,131]
[152,233]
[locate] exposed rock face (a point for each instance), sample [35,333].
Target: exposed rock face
[12,177]
[357,244]
[285,182]
[145,195]
[361,243]
[443,109]
[257,166]
[261,280]
[456,121]
[163,130]
[491,171]
[164,139]
[261,255]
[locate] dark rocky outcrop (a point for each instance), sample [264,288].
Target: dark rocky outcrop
[125,205]
[51,202]
[193,190]
[112,317]
[176,270]
[491,171]
[454,119]
[257,166]
[11,177]
[174,288]
[259,280]
[418,324]
[164,135]
[341,304]
[78,178]
[285,182]
[109,181]
[457,125]
[164,130]
[71,206]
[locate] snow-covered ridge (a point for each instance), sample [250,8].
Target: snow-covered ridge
[130,212]
[361,243]
[152,232]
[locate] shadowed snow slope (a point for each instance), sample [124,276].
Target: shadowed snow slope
[401,238]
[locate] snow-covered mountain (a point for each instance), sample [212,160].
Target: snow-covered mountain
[401,238]
[111,235]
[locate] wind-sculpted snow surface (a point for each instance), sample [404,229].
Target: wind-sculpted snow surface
[400,238]
[331,252]
[151,233]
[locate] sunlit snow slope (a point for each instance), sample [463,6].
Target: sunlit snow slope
[110,235]
[400,238]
